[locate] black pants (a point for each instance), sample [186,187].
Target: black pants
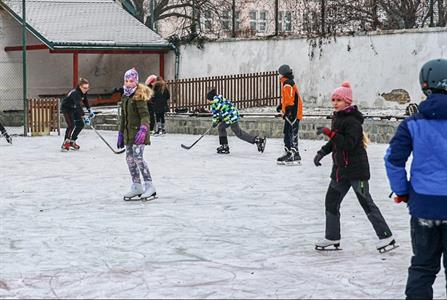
[150,106]
[336,192]
[160,117]
[2,129]
[429,243]
[74,125]
[291,134]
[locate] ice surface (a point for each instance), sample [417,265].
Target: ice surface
[224,226]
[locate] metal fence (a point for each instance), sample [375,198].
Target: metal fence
[11,97]
[245,90]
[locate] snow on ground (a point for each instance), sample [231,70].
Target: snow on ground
[224,226]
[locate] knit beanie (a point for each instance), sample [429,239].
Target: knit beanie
[131,73]
[211,94]
[344,92]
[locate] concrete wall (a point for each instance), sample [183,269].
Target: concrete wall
[53,73]
[374,63]
[378,131]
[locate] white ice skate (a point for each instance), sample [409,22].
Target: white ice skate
[327,245]
[136,189]
[386,244]
[149,192]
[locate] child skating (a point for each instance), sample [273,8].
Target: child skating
[74,114]
[134,135]
[347,144]
[225,115]
[291,109]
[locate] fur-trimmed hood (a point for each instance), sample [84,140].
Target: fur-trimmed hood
[143,93]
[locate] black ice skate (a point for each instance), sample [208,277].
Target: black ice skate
[7,137]
[327,245]
[223,149]
[260,142]
[294,158]
[282,159]
[386,245]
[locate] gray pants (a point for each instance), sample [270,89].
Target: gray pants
[334,196]
[222,128]
[137,164]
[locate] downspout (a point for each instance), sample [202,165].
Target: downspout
[177,61]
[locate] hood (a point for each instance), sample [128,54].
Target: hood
[435,107]
[350,111]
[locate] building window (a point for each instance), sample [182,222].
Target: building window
[237,21]
[208,20]
[253,19]
[226,20]
[285,21]
[288,21]
[280,20]
[262,21]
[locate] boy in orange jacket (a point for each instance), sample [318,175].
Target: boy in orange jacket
[291,108]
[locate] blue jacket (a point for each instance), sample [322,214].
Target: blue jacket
[424,134]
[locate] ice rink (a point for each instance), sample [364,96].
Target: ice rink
[224,226]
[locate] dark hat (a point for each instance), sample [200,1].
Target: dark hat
[211,94]
[285,70]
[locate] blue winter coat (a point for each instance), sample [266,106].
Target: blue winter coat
[424,134]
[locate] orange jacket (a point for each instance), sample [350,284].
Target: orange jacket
[289,91]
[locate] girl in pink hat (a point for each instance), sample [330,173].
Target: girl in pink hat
[350,169]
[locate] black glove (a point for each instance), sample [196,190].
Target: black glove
[317,158]
[278,108]
[215,124]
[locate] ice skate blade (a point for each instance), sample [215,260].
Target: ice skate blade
[134,198]
[388,248]
[295,163]
[150,198]
[328,248]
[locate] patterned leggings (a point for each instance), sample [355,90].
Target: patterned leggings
[136,163]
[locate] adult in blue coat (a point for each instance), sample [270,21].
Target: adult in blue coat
[424,134]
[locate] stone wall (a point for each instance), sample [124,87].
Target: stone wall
[378,131]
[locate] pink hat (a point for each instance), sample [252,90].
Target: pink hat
[151,79]
[344,92]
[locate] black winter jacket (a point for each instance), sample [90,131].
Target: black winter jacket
[160,99]
[72,103]
[348,152]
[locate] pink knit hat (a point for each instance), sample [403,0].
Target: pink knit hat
[344,92]
[151,79]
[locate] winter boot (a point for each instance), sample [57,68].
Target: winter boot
[260,142]
[282,159]
[149,191]
[294,158]
[73,145]
[325,245]
[65,145]
[136,190]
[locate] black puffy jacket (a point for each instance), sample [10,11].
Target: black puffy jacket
[160,99]
[72,103]
[348,152]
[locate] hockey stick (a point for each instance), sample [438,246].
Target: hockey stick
[189,147]
[108,145]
